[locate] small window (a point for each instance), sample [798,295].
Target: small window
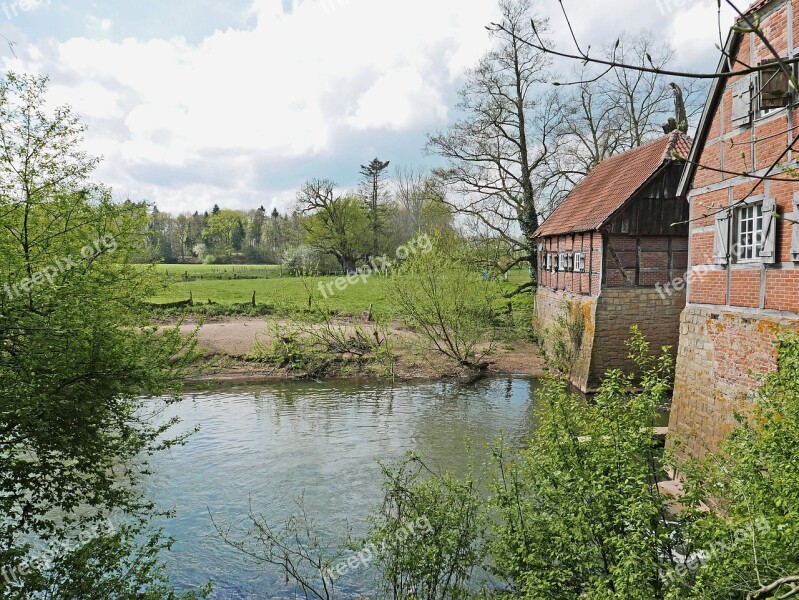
[579,262]
[749,232]
[774,87]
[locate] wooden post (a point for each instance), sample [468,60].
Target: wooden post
[369,314]
[253,298]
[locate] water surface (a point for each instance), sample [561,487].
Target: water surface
[265,446]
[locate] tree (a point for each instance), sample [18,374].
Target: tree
[373,174]
[421,204]
[224,232]
[77,354]
[451,305]
[336,225]
[603,116]
[506,134]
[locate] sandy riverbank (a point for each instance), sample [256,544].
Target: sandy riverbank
[227,342]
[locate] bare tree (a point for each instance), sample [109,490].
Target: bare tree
[605,114]
[411,186]
[506,133]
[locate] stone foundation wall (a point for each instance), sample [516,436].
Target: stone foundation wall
[553,306]
[656,314]
[722,351]
[594,329]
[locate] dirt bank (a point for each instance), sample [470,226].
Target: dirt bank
[227,342]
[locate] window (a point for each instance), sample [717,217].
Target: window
[579,262]
[774,86]
[753,228]
[749,228]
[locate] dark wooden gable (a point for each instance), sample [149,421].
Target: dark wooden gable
[654,208]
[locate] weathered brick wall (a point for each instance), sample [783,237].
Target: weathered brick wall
[721,353]
[605,326]
[656,314]
[552,305]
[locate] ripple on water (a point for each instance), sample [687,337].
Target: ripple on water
[265,446]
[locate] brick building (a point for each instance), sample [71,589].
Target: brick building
[743,281]
[605,255]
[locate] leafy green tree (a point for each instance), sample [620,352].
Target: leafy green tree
[77,354]
[428,536]
[751,540]
[335,225]
[224,232]
[450,304]
[579,512]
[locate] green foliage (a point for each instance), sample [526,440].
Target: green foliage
[753,538]
[579,514]
[224,233]
[427,534]
[77,354]
[451,305]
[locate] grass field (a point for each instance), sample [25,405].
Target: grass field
[285,294]
[219,271]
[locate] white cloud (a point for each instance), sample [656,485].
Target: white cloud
[294,87]
[98,24]
[291,87]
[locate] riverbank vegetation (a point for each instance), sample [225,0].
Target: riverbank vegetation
[77,354]
[578,513]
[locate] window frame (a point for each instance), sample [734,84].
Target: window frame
[756,242]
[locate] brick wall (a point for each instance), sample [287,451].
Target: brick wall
[606,323]
[587,283]
[657,315]
[732,149]
[550,305]
[721,353]
[728,329]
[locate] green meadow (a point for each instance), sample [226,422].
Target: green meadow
[284,294]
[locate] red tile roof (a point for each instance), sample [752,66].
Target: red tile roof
[610,184]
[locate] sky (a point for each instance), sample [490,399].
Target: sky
[193,103]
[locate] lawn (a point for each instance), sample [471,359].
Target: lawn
[285,294]
[219,271]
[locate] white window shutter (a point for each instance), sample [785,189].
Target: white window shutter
[721,246]
[768,242]
[579,262]
[741,102]
[795,239]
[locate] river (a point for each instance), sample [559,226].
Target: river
[265,446]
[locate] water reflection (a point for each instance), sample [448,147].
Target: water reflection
[265,446]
